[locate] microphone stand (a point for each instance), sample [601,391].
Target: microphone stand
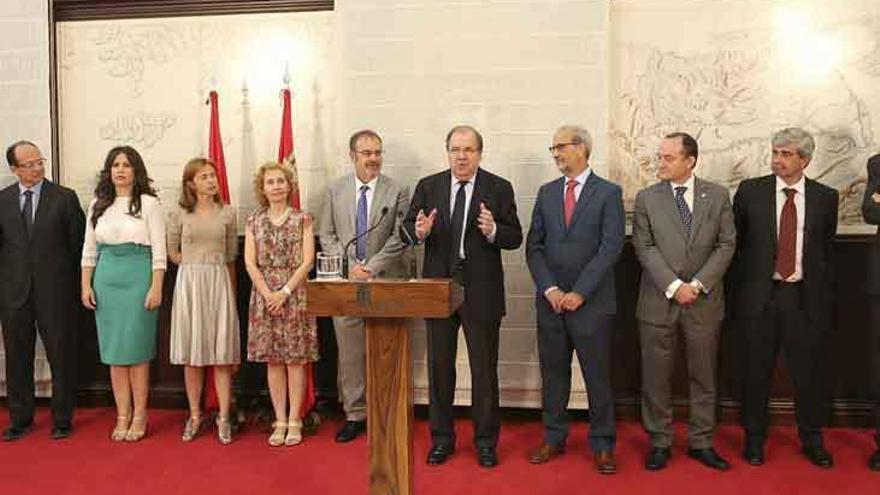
[355,238]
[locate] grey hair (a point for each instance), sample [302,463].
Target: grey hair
[579,135]
[802,139]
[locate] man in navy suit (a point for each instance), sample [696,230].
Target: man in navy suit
[573,244]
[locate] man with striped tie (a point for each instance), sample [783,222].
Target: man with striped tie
[783,280]
[684,238]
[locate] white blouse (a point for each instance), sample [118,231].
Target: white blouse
[117,226]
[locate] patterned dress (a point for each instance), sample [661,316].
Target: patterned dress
[290,337]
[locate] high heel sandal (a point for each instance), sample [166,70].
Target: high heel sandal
[294,433]
[191,428]
[121,428]
[138,429]
[224,430]
[276,439]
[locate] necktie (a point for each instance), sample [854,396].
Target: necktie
[686,217]
[27,212]
[361,224]
[787,240]
[458,222]
[570,201]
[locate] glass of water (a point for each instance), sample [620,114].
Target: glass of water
[329,266]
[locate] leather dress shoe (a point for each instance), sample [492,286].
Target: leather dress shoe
[709,458]
[439,454]
[350,431]
[657,458]
[486,457]
[545,452]
[605,462]
[818,456]
[754,454]
[60,432]
[15,432]
[874,461]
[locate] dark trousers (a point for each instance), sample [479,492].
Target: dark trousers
[784,323]
[589,335]
[482,344]
[874,333]
[57,327]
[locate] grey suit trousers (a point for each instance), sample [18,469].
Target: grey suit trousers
[658,344]
[351,341]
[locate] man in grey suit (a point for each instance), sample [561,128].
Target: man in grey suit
[355,203]
[684,238]
[573,244]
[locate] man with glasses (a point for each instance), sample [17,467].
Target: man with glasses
[465,216]
[353,204]
[41,236]
[573,244]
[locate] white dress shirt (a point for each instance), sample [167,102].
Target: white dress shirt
[799,186]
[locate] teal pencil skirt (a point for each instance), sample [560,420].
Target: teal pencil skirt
[126,330]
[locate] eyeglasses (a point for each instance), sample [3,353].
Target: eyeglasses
[37,163]
[557,148]
[369,153]
[466,151]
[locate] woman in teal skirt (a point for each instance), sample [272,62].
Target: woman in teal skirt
[123,265]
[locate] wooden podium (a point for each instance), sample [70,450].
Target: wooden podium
[386,304]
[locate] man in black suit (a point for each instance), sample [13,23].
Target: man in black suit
[784,289]
[41,236]
[871,212]
[465,216]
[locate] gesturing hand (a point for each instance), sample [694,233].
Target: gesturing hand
[424,224]
[486,221]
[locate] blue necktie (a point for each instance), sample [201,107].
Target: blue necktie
[361,225]
[686,217]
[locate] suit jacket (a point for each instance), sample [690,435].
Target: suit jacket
[871,212]
[754,211]
[385,251]
[48,258]
[667,253]
[483,275]
[580,257]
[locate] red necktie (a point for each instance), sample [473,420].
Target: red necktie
[570,201]
[787,240]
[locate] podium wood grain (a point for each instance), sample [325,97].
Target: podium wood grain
[386,304]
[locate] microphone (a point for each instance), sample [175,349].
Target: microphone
[355,238]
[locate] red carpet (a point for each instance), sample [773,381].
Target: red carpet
[88,463]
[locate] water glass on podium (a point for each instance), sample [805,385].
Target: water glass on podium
[329,266]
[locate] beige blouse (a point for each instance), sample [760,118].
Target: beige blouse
[203,240]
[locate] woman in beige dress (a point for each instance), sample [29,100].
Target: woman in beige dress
[279,250]
[202,240]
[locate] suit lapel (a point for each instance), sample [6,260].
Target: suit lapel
[700,207]
[770,194]
[556,202]
[47,195]
[444,188]
[476,198]
[11,202]
[349,204]
[378,199]
[811,207]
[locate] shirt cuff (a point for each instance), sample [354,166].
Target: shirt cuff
[549,290]
[696,284]
[491,236]
[670,290]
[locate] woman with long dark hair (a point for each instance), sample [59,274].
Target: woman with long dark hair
[203,240]
[123,265]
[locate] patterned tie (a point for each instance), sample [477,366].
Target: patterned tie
[686,217]
[787,240]
[27,212]
[570,201]
[458,222]
[361,225]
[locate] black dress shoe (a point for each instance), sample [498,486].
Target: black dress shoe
[709,458]
[61,431]
[350,431]
[818,456]
[657,458]
[15,432]
[439,454]
[486,457]
[874,461]
[754,454]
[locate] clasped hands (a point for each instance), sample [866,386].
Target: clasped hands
[564,301]
[424,223]
[686,294]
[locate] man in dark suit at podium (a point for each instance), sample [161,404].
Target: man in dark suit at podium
[465,216]
[576,236]
[41,237]
[871,212]
[783,280]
